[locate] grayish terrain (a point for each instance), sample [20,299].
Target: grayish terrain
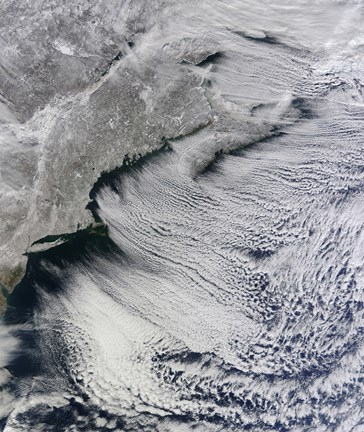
[85,85]
[82,86]
[228,294]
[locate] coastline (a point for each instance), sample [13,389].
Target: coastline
[11,278]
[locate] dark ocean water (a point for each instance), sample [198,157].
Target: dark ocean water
[227,294]
[198,308]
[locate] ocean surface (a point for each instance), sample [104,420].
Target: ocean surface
[227,294]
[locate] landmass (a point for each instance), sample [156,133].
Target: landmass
[87,88]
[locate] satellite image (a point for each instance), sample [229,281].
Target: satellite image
[182,216]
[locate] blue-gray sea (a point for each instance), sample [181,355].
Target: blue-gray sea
[227,292]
